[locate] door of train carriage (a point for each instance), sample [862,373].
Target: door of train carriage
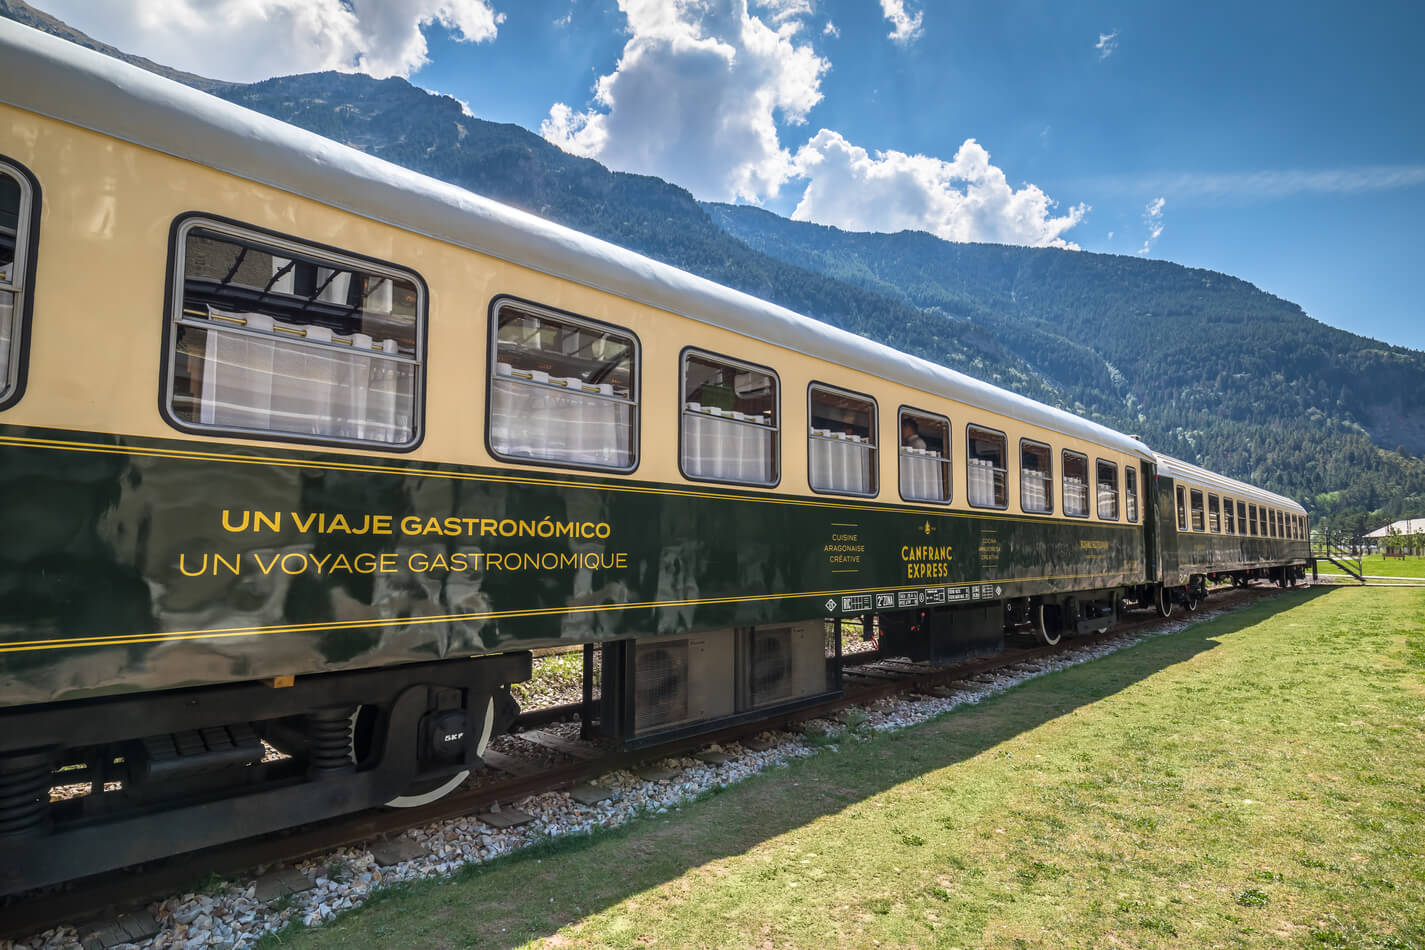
[1152,535]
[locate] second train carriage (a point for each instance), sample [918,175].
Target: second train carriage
[300,447]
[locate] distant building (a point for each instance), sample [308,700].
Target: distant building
[1407,527]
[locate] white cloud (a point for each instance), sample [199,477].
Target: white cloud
[830,30]
[965,199]
[1153,218]
[781,11]
[1276,183]
[1107,43]
[695,98]
[248,40]
[907,25]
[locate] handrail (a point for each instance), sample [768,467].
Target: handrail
[1351,564]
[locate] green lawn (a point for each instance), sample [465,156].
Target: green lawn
[1257,780]
[1381,566]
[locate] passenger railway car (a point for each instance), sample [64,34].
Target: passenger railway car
[303,451]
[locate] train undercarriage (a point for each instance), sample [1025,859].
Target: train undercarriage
[180,770]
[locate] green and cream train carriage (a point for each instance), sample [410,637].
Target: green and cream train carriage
[297,446]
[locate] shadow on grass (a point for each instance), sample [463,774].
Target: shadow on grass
[507,902]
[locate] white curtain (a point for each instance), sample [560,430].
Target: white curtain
[1107,501]
[981,479]
[1034,488]
[7,320]
[1076,496]
[559,419]
[840,462]
[720,443]
[324,385]
[922,474]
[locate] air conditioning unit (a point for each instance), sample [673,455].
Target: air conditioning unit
[677,681]
[780,664]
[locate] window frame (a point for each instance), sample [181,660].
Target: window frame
[1242,518]
[1196,509]
[1214,501]
[1130,474]
[492,358]
[1229,516]
[1181,497]
[173,297]
[25,264]
[682,412]
[1004,441]
[1049,493]
[1064,483]
[875,440]
[1117,496]
[1252,513]
[947,463]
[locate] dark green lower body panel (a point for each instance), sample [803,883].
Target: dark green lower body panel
[138,564]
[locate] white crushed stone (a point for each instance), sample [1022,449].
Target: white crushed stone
[231,916]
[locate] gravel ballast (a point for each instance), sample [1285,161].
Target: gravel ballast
[231,915]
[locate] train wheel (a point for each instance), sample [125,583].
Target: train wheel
[1189,598]
[425,791]
[1046,627]
[1165,602]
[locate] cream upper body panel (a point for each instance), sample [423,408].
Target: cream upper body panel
[222,159]
[1196,476]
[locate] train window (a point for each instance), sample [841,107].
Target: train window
[17,201]
[1036,477]
[1130,491]
[1182,509]
[1229,523]
[924,456]
[1277,524]
[730,424]
[274,338]
[1214,514]
[1197,521]
[563,389]
[1076,484]
[985,482]
[1241,517]
[841,449]
[1106,476]
[1252,519]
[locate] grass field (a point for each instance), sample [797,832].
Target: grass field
[1253,781]
[1378,565]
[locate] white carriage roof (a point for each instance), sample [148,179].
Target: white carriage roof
[1202,478]
[46,75]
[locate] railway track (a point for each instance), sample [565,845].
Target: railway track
[867,677]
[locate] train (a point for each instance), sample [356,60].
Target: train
[302,454]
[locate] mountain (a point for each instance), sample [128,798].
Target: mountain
[1202,365]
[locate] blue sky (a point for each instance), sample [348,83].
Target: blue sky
[1279,142]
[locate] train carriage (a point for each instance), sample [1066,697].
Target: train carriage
[301,450]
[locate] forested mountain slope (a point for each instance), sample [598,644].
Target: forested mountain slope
[1202,365]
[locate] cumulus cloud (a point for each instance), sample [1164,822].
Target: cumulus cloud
[696,95]
[1153,218]
[906,25]
[1107,43]
[965,199]
[248,40]
[831,30]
